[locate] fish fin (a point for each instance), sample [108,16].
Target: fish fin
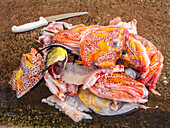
[28,74]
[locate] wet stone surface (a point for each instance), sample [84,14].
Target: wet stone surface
[28,111]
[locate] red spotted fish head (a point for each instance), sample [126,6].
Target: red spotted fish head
[103,46]
[28,74]
[134,55]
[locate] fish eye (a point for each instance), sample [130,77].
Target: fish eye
[115,44]
[124,53]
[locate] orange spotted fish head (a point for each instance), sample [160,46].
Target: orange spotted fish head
[134,55]
[28,74]
[103,46]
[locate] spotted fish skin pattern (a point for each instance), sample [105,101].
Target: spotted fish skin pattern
[98,45]
[152,62]
[103,46]
[28,74]
[135,55]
